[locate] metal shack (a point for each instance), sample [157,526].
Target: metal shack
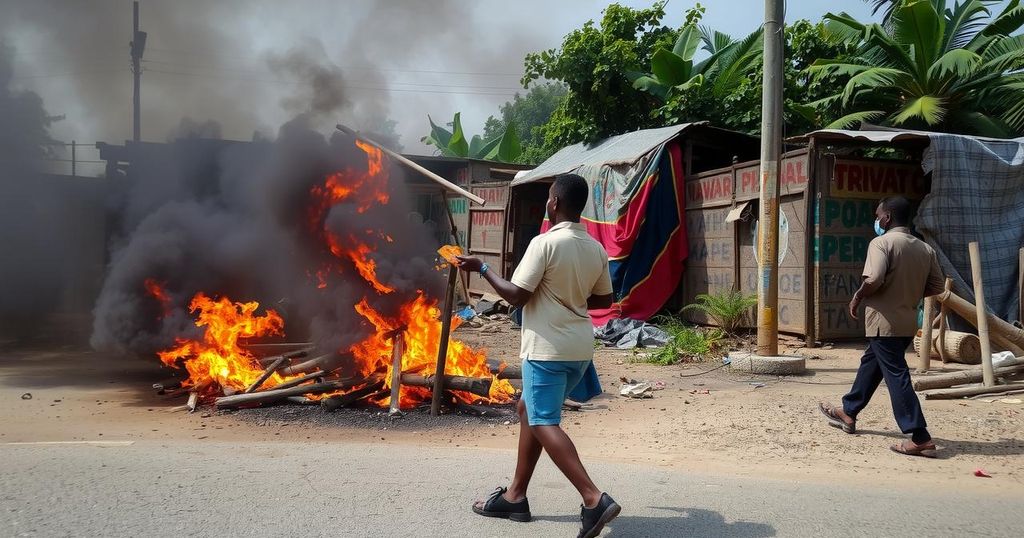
[828,193]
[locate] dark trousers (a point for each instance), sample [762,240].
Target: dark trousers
[884,359]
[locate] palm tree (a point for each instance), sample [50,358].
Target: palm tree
[674,70]
[954,69]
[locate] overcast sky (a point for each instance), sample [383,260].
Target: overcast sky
[209,60]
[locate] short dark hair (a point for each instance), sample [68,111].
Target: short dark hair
[573,191]
[898,208]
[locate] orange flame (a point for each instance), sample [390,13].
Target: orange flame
[422,338]
[156,290]
[217,357]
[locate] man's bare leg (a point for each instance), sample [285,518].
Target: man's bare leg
[526,460]
[563,452]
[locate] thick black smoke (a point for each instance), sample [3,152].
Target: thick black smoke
[39,250]
[235,221]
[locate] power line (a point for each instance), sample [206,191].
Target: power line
[344,68]
[348,87]
[390,82]
[71,74]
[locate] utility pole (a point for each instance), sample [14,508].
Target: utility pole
[138,46]
[771,150]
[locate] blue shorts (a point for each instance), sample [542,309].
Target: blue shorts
[546,384]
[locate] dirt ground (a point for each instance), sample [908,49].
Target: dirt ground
[705,419]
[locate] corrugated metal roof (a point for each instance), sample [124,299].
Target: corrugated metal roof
[620,149]
[873,133]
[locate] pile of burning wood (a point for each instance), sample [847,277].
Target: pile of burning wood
[311,381]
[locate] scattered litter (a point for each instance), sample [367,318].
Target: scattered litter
[726,361]
[1003,358]
[757,385]
[632,388]
[630,333]
[980,473]
[659,385]
[26,396]
[466,314]
[701,391]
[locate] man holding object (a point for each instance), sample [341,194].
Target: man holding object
[899,270]
[563,274]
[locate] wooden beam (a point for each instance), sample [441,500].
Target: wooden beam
[974,390]
[979,305]
[963,377]
[407,162]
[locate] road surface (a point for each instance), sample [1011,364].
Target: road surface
[205,488]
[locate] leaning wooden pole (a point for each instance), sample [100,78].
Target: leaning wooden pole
[442,349]
[1002,333]
[397,351]
[926,335]
[943,322]
[979,304]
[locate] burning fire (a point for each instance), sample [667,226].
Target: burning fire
[422,338]
[216,360]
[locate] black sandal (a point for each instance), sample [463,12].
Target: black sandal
[497,506]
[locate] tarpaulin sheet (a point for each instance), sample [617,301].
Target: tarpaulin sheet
[637,213]
[977,194]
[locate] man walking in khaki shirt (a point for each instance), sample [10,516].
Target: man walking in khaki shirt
[898,272]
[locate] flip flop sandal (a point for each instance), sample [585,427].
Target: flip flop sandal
[927,450]
[497,506]
[835,421]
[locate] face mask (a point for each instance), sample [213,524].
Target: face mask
[878,228]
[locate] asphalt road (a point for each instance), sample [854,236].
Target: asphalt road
[194,488]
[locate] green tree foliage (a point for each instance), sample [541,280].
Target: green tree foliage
[528,113]
[453,143]
[592,63]
[728,88]
[949,68]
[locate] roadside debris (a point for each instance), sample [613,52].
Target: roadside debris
[630,333]
[26,396]
[980,473]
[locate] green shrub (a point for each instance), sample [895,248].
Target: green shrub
[727,308]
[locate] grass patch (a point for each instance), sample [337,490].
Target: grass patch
[686,343]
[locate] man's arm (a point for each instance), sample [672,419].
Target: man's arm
[512,294]
[936,281]
[875,267]
[602,296]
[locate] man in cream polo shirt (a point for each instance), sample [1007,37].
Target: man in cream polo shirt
[563,274]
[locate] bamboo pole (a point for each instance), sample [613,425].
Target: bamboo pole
[297,381]
[1020,285]
[926,335]
[271,396]
[311,365]
[481,386]
[397,351]
[1002,333]
[267,372]
[963,377]
[373,386]
[402,159]
[943,313]
[979,305]
[442,349]
[973,390]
